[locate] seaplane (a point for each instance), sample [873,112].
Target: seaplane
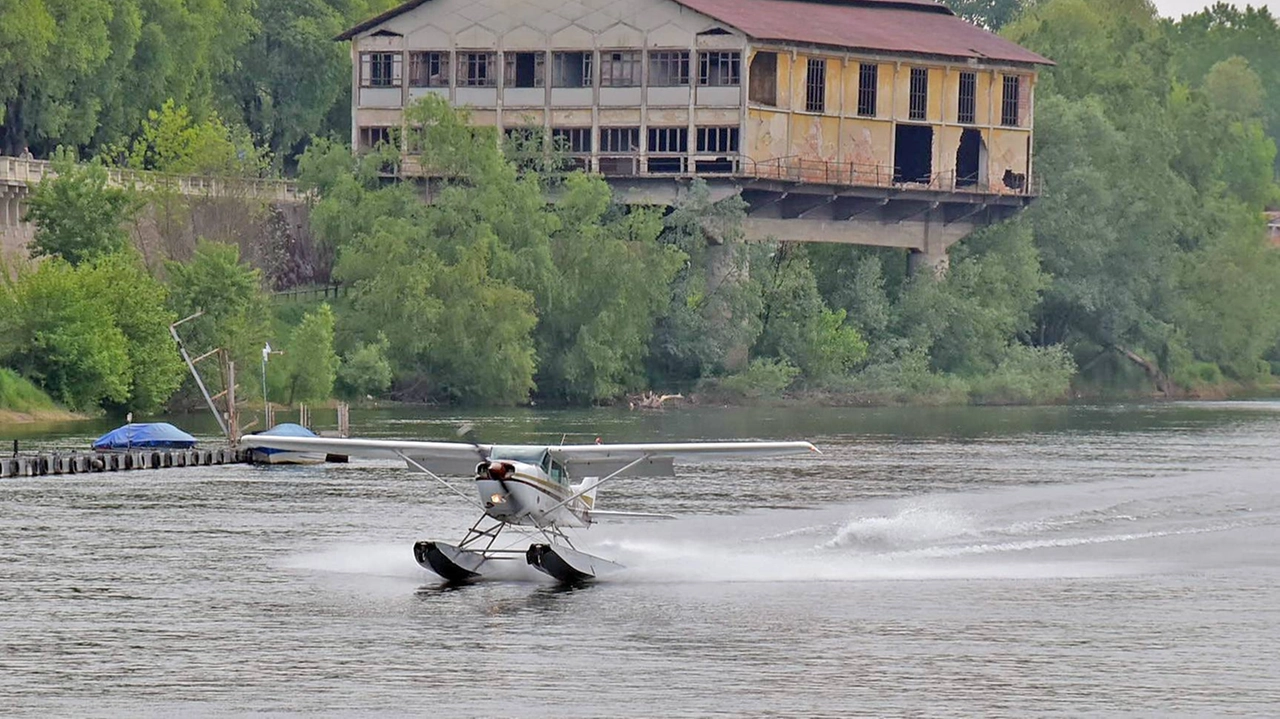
[528,490]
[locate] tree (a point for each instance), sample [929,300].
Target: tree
[83,73]
[171,141]
[1235,88]
[310,363]
[293,81]
[137,302]
[991,14]
[365,372]
[713,314]
[797,325]
[229,293]
[78,215]
[64,338]
[609,286]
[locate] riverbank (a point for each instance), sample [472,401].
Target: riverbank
[9,416]
[22,402]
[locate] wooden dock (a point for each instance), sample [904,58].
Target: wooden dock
[36,465]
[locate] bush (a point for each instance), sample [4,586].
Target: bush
[906,379]
[1026,375]
[1198,375]
[366,372]
[763,378]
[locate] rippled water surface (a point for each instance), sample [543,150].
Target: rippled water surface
[959,562]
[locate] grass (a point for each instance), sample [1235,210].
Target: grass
[21,401]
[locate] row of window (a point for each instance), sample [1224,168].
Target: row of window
[617,68]
[764,90]
[626,140]
[612,140]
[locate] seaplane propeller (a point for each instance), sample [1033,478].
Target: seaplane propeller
[527,490]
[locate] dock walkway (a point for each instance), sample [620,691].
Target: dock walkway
[45,463]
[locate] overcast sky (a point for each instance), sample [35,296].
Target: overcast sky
[1178,8]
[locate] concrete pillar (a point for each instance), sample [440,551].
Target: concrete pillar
[720,269]
[936,261]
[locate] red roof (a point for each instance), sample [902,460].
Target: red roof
[897,26]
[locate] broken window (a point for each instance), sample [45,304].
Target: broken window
[719,69]
[970,159]
[764,79]
[573,140]
[1009,105]
[913,154]
[919,94]
[815,86]
[717,139]
[620,68]
[620,139]
[571,69]
[380,69]
[428,69]
[868,88]
[476,69]
[524,69]
[371,137]
[966,112]
[668,141]
[668,68]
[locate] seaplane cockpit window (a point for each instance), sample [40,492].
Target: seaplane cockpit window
[557,473]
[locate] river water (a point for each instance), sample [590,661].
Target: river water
[1068,561]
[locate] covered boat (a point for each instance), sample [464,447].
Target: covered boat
[136,435]
[265,455]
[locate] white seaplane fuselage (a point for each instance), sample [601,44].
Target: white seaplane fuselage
[525,494]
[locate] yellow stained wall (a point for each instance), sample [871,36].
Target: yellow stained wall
[839,135]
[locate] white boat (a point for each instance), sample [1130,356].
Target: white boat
[265,455]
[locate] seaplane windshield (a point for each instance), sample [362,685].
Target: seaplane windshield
[536,456]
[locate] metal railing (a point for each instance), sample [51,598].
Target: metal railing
[18,171]
[857,174]
[310,294]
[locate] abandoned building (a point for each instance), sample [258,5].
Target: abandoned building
[887,122]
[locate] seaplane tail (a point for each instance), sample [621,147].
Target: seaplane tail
[526,490]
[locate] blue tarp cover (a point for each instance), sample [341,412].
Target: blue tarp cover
[289,429]
[284,429]
[150,434]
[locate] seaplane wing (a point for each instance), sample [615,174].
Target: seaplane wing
[459,458]
[452,458]
[677,451]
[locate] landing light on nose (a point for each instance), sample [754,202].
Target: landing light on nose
[498,498]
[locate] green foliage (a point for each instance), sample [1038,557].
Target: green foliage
[93,336]
[310,362]
[714,313]
[762,379]
[78,216]
[1026,375]
[797,325]
[137,303]
[171,141]
[229,293]
[18,394]
[85,72]
[1152,142]
[366,371]
[293,80]
[57,334]
[905,377]
[991,14]
[607,289]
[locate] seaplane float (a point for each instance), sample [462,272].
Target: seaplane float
[527,489]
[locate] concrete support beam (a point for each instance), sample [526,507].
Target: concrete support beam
[925,234]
